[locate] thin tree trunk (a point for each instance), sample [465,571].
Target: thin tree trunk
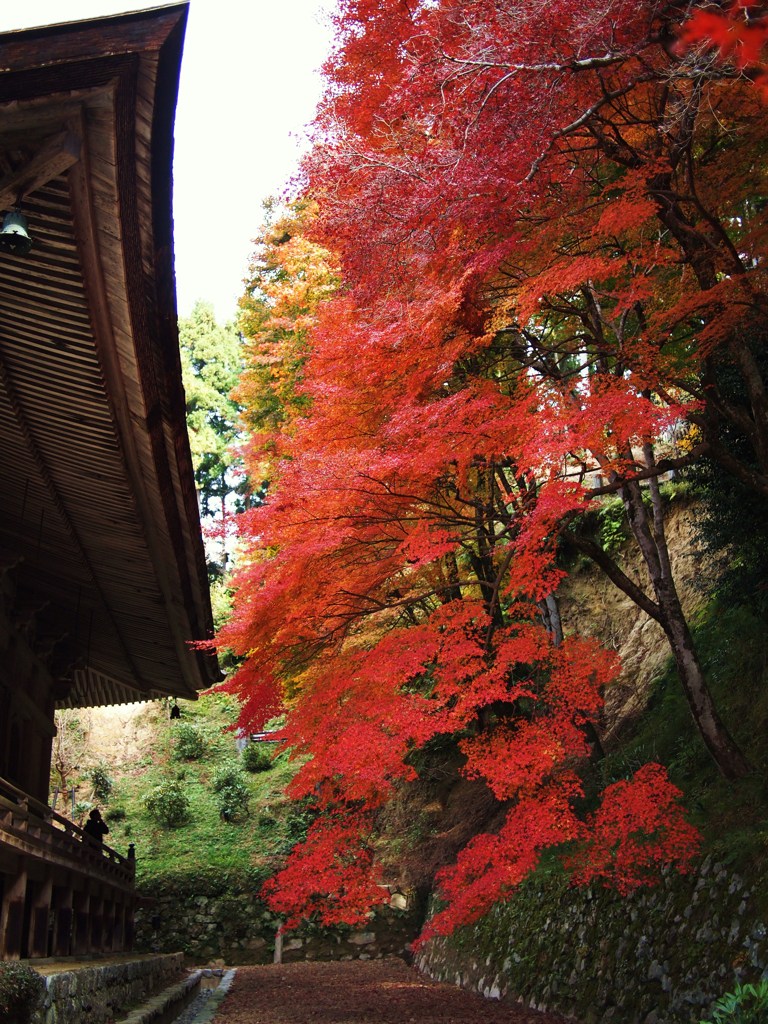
[653,546]
[550,617]
[453,592]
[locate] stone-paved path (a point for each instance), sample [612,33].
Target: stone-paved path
[359,992]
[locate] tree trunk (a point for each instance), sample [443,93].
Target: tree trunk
[721,745]
[550,617]
[653,546]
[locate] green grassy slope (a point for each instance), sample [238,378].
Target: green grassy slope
[258,835]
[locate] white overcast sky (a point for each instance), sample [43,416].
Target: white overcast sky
[249,85]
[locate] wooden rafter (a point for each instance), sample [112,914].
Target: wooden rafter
[55,156]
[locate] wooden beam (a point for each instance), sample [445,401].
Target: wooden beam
[51,48]
[55,156]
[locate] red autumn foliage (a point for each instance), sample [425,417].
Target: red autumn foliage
[737,32]
[550,248]
[637,830]
[490,866]
[332,871]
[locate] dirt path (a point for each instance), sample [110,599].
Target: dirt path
[367,992]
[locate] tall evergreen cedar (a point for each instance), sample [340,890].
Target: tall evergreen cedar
[212,361]
[551,242]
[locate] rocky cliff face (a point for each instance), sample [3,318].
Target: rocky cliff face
[590,604]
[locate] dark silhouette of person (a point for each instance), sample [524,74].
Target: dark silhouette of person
[95,827]
[175,711]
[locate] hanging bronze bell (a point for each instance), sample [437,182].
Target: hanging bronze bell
[14,236]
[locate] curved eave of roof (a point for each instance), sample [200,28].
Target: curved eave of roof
[99,513]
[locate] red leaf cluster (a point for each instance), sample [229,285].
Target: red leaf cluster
[737,32]
[638,828]
[330,875]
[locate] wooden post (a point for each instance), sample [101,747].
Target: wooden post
[128,929]
[118,926]
[96,922]
[108,925]
[63,920]
[39,930]
[12,916]
[81,938]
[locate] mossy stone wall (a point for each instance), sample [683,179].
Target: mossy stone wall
[237,928]
[660,956]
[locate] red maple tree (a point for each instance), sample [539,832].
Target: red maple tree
[549,249]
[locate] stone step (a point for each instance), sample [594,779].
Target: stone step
[165,1006]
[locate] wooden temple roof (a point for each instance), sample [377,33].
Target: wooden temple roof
[98,510]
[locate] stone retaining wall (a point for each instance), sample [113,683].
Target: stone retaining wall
[239,929]
[660,956]
[99,993]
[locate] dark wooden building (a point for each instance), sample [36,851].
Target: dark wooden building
[102,571]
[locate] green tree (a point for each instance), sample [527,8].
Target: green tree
[211,364]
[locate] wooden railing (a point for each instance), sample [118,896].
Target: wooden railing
[34,829]
[63,893]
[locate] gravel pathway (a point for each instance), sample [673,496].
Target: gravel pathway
[359,992]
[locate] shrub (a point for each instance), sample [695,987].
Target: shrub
[231,791]
[189,744]
[20,991]
[256,759]
[113,814]
[102,782]
[228,776]
[614,529]
[168,804]
[747,1004]
[82,809]
[300,815]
